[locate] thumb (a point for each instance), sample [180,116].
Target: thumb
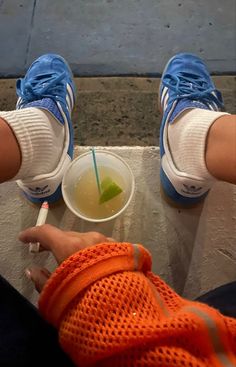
[38,276]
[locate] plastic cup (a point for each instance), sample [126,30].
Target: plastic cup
[80,165]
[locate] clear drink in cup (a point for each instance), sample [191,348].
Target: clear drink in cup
[80,191]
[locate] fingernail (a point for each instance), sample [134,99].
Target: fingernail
[28,274]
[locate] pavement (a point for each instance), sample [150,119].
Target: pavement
[117,37]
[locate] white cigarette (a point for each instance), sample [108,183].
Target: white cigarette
[42,217]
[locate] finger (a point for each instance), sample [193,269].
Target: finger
[46,235]
[53,239]
[38,276]
[62,244]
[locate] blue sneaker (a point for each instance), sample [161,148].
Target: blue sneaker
[185,84]
[48,85]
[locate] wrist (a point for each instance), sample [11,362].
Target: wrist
[84,268]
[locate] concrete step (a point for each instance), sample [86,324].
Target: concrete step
[192,249]
[117,111]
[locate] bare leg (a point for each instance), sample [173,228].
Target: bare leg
[221,149]
[10,154]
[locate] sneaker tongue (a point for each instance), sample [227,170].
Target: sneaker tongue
[183,105]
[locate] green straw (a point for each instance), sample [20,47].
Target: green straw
[96,170]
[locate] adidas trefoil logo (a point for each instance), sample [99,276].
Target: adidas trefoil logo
[39,190]
[191,189]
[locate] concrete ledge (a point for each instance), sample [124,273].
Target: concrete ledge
[193,249]
[118,111]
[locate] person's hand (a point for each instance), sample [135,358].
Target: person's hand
[61,243]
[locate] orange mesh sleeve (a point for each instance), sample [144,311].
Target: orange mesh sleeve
[112,311]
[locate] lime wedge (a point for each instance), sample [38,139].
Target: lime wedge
[109,190]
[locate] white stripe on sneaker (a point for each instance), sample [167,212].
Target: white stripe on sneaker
[67,130]
[165,101]
[71,95]
[214,103]
[212,106]
[216,107]
[68,102]
[163,94]
[18,102]
[214,94]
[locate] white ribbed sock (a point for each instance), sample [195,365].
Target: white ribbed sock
[40,137]
[187,137]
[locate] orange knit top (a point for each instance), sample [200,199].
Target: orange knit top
[111,311]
